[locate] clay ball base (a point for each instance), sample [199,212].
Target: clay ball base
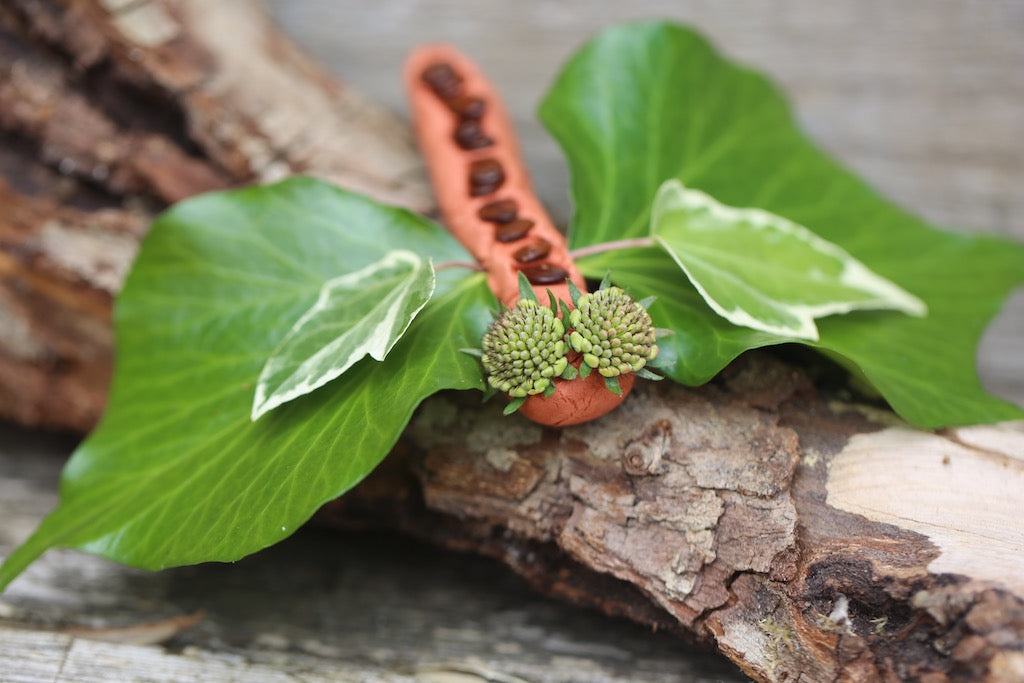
[576,401]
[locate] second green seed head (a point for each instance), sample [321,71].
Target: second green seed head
[613,332]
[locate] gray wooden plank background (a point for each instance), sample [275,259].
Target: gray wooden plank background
[924,98]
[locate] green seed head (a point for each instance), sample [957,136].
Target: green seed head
[524,348]
[613,332]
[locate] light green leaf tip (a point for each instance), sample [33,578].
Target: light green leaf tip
[526,292]
[574,292]
[566,312]
[363,313]
[647,374]
[552,302]
[514,405]
[763,271]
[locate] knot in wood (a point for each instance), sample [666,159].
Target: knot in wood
[642,456]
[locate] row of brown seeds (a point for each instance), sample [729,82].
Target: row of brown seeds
[486,176]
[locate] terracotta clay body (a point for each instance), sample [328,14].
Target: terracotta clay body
[485,196]
[576,401]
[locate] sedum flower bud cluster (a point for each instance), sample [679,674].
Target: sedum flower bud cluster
[614,333]
[524,349]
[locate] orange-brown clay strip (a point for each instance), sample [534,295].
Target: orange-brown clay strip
[484,192]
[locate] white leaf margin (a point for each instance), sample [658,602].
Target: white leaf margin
[673,195]
[383,338]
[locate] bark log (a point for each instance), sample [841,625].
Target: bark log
[804,537]
[109,111]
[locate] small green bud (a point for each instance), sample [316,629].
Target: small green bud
[578,343]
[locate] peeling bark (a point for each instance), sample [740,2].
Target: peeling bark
[718,506]
[110,111]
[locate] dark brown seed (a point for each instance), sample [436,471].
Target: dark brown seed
[482,190]
[469,135]
[545,274]
[486,172]
[510,232]
[467,107]
[501,211]
[442,79]
[485,176]
[533,252]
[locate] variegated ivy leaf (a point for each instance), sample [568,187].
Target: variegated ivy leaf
[359,314]
[763,271]
[647,102]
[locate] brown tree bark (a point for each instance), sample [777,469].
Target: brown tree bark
[111,110]
[804,537]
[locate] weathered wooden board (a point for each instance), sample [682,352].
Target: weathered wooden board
[324,606]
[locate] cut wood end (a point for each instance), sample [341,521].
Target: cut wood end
[961,489]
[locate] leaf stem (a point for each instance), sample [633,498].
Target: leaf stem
[635,243]
[445,265]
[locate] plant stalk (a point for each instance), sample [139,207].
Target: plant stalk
[635,243]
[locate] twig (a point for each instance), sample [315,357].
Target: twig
[636,243]
[445,265]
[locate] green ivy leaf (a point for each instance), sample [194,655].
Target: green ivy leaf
[612,384]
[644,103]
[177,473]
[513,405]
[363,313]
[759,270]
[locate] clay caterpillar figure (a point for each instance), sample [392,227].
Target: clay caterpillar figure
[487,202]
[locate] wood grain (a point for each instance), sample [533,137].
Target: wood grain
[941,476]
